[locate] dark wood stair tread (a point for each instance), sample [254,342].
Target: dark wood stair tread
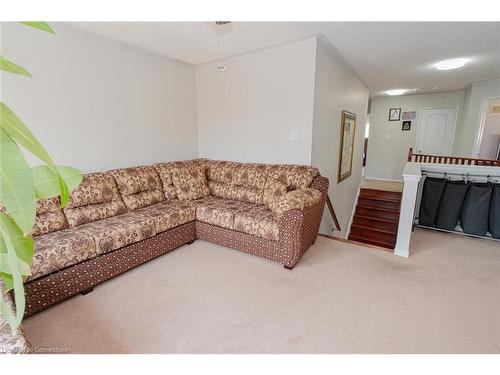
[389,246]
[365,227]
[370,207]
[387,196]
[373,234]
[391,221]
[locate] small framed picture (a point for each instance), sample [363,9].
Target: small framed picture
[347,135]
[406,125]
[409,115]
[394,114]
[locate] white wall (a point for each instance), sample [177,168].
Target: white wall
[478,92]
[98,104]
[336,89]
[247,113]
[388,144]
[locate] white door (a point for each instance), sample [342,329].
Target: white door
[436,131]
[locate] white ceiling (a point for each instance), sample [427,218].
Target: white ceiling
[385,55]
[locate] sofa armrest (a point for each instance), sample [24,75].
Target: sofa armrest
[320,183]
[299,199]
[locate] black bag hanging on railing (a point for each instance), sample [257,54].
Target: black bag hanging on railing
[495,212]
[451,204]
[475,210]
[431,195]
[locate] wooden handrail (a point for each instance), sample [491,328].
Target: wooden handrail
[442,159]
[332,212]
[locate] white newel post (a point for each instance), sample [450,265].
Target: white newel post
[411,176]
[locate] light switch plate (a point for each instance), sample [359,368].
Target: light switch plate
[293,135]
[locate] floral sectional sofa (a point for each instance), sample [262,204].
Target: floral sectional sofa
[119,219]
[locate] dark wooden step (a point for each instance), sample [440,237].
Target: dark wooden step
[378,224]
[371,242]
[377,213]
[388,205]
[374,235]
[390,196]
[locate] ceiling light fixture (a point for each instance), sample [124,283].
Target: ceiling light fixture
[452,63]
[396,92]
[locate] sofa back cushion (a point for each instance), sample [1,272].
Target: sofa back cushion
[239,181]
[189,181]
[49,217]
[165,172]
[139,186]
[294,176]
[96,198]
[274,190]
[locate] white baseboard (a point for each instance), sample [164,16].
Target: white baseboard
[348,229]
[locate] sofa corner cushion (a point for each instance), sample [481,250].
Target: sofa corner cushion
[258,221]
[190,182]
[299,199]
[49,217]
[83,206]
[61,249]
[220,212]
[238,192]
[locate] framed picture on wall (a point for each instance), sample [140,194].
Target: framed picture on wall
[394,114]
[347,133]
[406,125]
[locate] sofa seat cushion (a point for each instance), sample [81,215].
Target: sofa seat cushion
[190,182]
[57,250]
[139,186]
[258,221]
[49,217]
[119,231]
[167,215]
[220,212]
[96,198]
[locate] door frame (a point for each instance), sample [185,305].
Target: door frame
[481,121]
[419,125]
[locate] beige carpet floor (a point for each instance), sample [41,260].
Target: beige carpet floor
[341,298]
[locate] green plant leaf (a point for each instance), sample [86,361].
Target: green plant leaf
[24,268]
[40,25]
[16,184]
[10,67]
[46,182]
[22,135]
[17,246]
[24,246]
[7,280]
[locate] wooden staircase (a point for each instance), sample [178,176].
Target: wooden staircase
[376,218]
